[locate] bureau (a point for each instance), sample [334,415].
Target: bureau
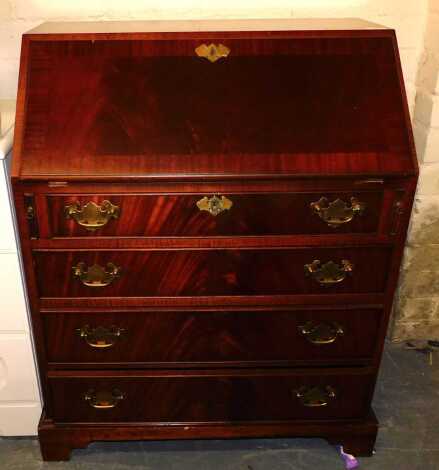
[212,217]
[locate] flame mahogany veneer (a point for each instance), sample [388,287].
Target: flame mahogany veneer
[196,307]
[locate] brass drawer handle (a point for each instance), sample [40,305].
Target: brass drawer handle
[338,212]
[322,333]
[329,273]
[103,400]
[96,276]
[315,397]
[212,52]
[215,204]
[92,216]
[100,337]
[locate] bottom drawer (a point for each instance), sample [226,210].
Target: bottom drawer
[211,396]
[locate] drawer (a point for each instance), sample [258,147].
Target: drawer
[212,272]
[18,381]
[213,396]
[7,236]
[211,215]
[207,337]
[13,315]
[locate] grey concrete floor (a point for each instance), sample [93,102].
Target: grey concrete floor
[406,403]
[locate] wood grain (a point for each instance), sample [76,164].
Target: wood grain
[267,395]
[212,338]
[147,108]
[211,272]
[57,440]
[178,215]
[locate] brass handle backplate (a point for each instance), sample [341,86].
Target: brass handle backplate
[321,333]
[315,397]
[329,273]
[103,400]
[92,216]
[338,212]
[215,204]
[96,276]
[212,52]
[100,337]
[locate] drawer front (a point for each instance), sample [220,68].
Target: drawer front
[13,305]
[7,236]
[212,272]
[209,396]
[18,381]
[211,215]
[202,337]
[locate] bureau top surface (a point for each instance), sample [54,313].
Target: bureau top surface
[202,99]
[159,26]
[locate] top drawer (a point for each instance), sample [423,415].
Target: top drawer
[228,214]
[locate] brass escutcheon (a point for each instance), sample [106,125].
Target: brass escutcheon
[212,52]
[338,212]
[103,400]
[329,273]
[96,276]
[30,212]
[92,216]
[315,397]
[100,337]
[322,333]
[215,204]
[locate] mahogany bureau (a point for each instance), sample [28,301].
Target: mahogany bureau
[212,217]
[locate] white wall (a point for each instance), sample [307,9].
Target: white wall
[417,308]
[17,16]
